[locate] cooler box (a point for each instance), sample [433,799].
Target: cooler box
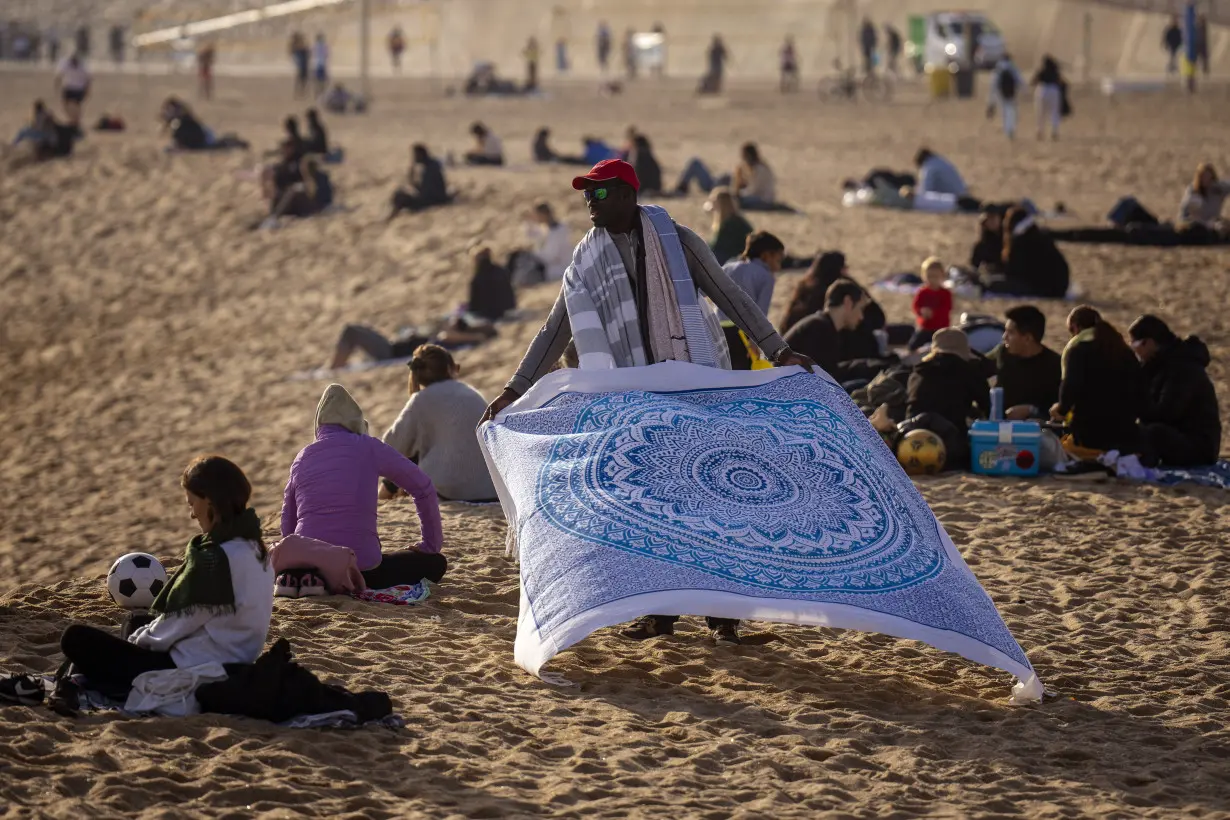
[1005,447]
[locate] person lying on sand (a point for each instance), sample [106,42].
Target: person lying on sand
[332,493]
[621,268]
[187,132]
[458,332]
[214,609]
[436,429]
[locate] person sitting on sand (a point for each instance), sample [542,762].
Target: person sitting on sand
[426,189]
[436,429]
[293,136]
[489,150]
[819,336]
[1033,264]
[308,196]
[987,255]
[491,291]
[1028,371]
[215,608]
[1203,202]
[552,253]
[622,227]
[755,271]
[936,175]
[1101,394]
[317,139]
[339,100]
[950,383]
[73,82]
[809,297]
[48,137]
[648,171]
[753,181]
[332,492]
[730,228]
[1180,423]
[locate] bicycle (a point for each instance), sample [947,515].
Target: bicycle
[845,85]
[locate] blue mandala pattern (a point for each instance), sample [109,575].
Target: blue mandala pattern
[765,488]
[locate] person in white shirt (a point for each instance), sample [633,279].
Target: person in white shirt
[73,83]
[489,148]
[552,253]
[320,64]
[217,606]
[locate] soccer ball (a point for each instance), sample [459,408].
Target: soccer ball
[135,580]
[922,452]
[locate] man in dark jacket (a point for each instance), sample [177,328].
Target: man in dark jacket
[819,336]
[949,382]
[1028,371]
[1180,423]
[427,187]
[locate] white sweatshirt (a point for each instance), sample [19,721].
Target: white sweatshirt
[205,637]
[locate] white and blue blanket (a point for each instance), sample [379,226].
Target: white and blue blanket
[678,489]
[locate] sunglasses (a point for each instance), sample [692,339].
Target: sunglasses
[598,194]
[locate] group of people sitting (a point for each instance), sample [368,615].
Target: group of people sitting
[45,136]
[296,185]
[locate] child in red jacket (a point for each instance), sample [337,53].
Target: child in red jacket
[932,304]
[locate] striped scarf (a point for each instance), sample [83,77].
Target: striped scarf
[602,309]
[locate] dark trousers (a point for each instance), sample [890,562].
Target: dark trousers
[107,660]
[920,337]
[1170,446]
[739,358]
[405,567]
[712,623]
[483,159]
[406,201]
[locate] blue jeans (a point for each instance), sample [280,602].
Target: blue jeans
[696,171]
[28,133]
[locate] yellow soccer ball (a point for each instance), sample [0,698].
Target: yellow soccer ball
[921,452]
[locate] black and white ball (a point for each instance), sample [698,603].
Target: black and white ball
[135,580]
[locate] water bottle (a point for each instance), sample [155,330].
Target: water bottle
[997,404]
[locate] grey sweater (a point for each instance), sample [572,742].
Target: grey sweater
[709,277]
[436,430]
[1206,209]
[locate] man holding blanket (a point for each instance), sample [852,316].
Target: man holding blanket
[631,298]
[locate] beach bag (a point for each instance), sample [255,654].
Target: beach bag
[1065,104]
[1006,83]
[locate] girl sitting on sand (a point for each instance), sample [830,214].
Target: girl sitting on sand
[1102,392]
[331,495]
[436,429]
[730,228]
[215,608]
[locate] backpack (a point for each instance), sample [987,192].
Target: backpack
[1007,84]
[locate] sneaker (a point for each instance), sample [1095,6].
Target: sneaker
[23,690]
[648,627]
[286,586]
[726,634]
[65,698]
[312,585]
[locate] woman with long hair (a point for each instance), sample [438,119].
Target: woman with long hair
[1203,201]
[730,229]
[808,295]
[1101,394]
[1032,264]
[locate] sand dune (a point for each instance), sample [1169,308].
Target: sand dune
[142,324]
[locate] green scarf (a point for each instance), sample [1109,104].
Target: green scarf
[203,581]
[1085,335]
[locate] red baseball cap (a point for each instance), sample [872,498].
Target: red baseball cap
[606,171]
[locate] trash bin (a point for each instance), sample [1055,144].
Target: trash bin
[939,81]
[965,83]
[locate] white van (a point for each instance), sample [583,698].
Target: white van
[946,33]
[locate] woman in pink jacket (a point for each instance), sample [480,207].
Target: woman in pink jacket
[331,495]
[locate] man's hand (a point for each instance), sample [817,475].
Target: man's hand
[787,357]
[1055,414]
[1020,412]
[384,494]
[926,312]
[501,401]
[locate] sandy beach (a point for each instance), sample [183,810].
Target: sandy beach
[142,324]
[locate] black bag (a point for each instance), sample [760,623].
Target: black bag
[1006,82]
[1065,104]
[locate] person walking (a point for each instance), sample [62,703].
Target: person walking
[603,44]
[1172,41]
[1049,85]
[1005,85]
[300,56]
[531,55]
[868,41]
[789,67]
[320,64]
[397,46]
[893,45]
